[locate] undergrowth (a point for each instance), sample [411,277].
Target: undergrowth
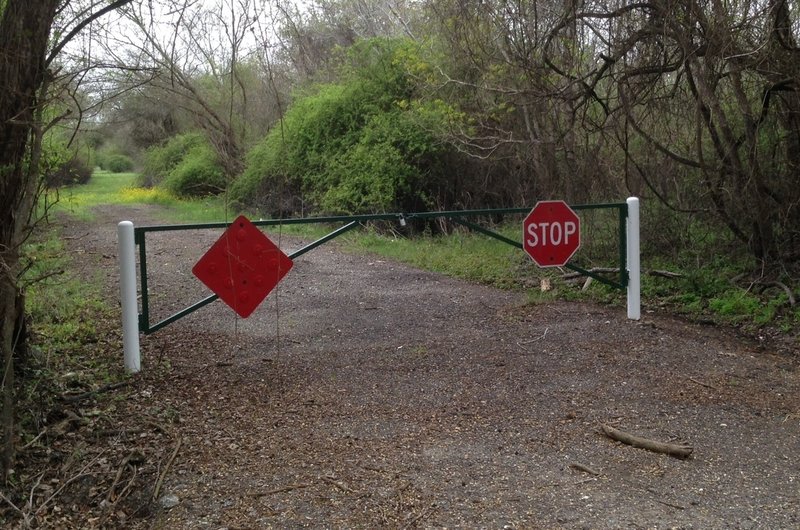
[724,289]
[74,337]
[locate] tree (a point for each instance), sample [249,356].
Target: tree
[695,103]
[26,58]
[193,56]
[714,91]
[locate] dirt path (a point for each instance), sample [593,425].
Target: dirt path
[367,394]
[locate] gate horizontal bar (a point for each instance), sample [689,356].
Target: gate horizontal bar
[146,328]
[487,232]
[450,214]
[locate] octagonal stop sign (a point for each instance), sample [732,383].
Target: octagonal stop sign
[242,267]
[551,233]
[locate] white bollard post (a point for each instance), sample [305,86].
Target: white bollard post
[127,287]
[634,264]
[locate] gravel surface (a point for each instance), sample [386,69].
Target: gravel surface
[368,394]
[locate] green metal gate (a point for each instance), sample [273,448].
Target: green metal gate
[353,221]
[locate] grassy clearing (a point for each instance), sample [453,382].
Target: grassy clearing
[120,188]
[103,188]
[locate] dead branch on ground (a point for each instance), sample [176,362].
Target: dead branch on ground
[85,395]
[680,451]
[160,480]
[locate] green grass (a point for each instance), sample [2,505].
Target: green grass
[119,188]
[704,289]
[463,255]
[102,188]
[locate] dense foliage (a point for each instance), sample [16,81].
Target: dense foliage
[367,143]
[186,165]
[453,104]
[114,162]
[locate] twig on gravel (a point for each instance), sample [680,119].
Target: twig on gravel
[15,508]
[26,514]
[66,483]
[586,469]
[680,451]
[336,483]
[163,474]
[712,387]
[657,494]
[282,489]
[424,513]
[92,393]
[62,488]
[34,440]
[132,457]
[676,506]
[521,343]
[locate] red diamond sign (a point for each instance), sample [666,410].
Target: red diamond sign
[242,267]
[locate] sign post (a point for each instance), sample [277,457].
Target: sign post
[127,287]
[551,233]
[633,260]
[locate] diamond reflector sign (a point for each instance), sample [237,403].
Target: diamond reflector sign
[242,267]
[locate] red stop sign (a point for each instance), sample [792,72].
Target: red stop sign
[551,233]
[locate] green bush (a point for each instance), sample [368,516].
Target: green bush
[73,171]
[197,174]
[159,161]
[116,163]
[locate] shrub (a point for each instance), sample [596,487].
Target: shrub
[73,171]
[159,161]
[198,173]
[117,163]
[359,146]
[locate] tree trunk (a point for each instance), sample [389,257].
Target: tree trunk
[24,32]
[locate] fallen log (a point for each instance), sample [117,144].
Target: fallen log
[680,451]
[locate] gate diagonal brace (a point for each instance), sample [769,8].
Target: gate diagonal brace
[516,244]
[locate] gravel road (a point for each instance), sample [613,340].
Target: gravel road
[368,394]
